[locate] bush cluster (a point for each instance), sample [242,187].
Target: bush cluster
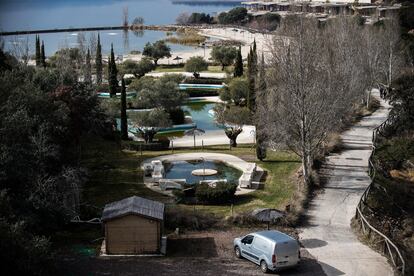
[222,193]
[202,81]
[197,92]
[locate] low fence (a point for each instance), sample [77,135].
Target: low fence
[388,247]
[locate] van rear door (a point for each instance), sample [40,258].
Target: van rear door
[287,253]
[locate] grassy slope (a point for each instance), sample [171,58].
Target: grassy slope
[115,174]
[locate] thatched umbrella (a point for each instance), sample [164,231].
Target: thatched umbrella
[267,215]
[193,132]
[177,58]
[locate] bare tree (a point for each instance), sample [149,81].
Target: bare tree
[93,43]
[310,85]
[392,60]
[182,18]
[20,48]
[125,17]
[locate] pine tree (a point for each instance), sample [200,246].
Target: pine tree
[124,122]
[238,66]
[37,56]
[98,62]
[112,73]
[88,68]
[42,55]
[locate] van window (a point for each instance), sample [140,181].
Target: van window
[260,243]
[247,240]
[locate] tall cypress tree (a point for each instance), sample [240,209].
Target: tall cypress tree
[124,122]
[88,68]
[43,55]
[238,66]
[252,75]
[112,73]
[37,55]
[261,101]
[98,61]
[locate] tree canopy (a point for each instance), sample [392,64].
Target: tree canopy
[157,50]
[196,65]
[235,15]
[224,55]
[138,69]
[149,122]
[236,92]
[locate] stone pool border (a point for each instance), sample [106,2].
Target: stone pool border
[228,159]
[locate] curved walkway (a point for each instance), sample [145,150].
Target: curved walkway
[328,235]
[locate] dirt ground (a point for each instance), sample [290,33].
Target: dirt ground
[201,253]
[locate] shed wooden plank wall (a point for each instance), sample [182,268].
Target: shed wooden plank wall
[132,234]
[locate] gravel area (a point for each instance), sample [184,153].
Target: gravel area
[201,253]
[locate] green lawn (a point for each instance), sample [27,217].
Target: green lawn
[115,174]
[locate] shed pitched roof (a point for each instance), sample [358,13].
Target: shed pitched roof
[133,205]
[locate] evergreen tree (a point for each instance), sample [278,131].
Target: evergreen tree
[42,55]
[98,61]
[252,75]
[255,52]
[88,68]
[238,66]
[261,101]
[37,56]
[112,73]
[124,122]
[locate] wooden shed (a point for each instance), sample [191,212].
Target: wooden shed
[133,226]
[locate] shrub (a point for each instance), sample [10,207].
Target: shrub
[222,193]
[393,154]
[197,92]
[177,116]
[191,80]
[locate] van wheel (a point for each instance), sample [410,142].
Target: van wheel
[237,252]
[263,266]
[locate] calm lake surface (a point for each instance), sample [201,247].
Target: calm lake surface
[18,15]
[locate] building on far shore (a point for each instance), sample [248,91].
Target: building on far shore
[321,8]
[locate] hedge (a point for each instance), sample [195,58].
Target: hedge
[202,81]
[199,92]
[222,193]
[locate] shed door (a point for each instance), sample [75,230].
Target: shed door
[133,235]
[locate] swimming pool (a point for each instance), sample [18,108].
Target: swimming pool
[184,86]
[183,169]
[202,114]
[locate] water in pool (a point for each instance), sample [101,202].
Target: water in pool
[202,115]
[183,169]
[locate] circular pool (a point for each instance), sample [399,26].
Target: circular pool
[184,169]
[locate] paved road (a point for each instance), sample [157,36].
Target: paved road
[328,235]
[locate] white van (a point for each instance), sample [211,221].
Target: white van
[272,250]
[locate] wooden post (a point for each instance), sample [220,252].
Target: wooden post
[172,146]
[231,209]
[202,145]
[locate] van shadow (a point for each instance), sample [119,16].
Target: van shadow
[192,247]
[313,243]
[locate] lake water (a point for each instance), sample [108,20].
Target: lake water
[48,14]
